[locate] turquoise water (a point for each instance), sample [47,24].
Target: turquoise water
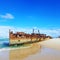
[4,42]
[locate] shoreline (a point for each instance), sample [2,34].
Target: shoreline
[44,50]
[15,48]
[51,43]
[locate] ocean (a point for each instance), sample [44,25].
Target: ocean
[4,42]
[4,45]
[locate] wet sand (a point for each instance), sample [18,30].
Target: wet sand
[45,54]
[4,55]
[50,50]
[46,50]
[20,54]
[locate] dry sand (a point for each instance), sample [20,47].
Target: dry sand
[52,43]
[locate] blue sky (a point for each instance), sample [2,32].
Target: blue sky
[30,13]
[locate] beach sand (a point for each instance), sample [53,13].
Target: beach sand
[20,54]
[45,50]
[51,43]
[50,50]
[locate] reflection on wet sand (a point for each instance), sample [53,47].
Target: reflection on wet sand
[20,54]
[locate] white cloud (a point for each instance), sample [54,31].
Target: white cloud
[4,31]
[7,16]
[51,32]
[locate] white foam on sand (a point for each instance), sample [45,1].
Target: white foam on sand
[14,48]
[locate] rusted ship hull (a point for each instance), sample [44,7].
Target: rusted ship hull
[24,38]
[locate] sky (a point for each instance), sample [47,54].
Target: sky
[28,14]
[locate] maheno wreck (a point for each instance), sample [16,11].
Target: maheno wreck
[24,38]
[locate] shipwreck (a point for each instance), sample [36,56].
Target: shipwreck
[24,38]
